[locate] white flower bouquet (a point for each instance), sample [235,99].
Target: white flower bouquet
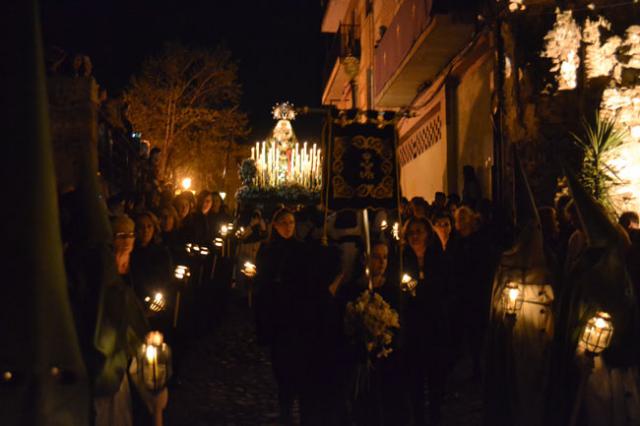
[370,321]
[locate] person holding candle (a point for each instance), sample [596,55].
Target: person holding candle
[425,320]
[282,274]
[384,403]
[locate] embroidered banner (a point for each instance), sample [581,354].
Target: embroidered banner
[362,164]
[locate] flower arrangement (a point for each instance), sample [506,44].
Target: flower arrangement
[248,171]
[370,320]
[288,194]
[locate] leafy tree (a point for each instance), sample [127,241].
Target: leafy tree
[600,139]
[185,101]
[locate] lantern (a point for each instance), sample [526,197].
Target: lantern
[154,362]
[156,303]
[224,230]
[230,226]
[204,251]
[240,232]
[249,269]
[181,272]
[597,333]
[218,242]
[512,298]
[383,225]
[408,283]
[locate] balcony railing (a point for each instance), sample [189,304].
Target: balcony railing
[346,42]
[408,24]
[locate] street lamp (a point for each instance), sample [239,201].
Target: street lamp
[512,298]
[186,183]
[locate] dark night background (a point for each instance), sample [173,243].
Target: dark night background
[277,45]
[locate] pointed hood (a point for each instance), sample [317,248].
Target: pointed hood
[528,250]
[596,224]
[40,347]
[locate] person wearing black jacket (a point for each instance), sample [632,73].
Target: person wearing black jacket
[151,270]
[384,402]
[281,308]
[424,320]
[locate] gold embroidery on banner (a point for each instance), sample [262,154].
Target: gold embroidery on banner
[384,189]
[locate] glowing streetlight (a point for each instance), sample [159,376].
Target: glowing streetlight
[186,183]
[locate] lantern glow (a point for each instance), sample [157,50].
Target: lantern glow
[249,269]
[181,272]
[408,283]
[512,298]
[154,362]
[157,303]
[597,333]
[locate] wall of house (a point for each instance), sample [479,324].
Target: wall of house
[473,125]
[422,151]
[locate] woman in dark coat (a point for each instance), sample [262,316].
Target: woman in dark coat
[200,229]
[384,402]
[425,320]
[282,297]
[151,270]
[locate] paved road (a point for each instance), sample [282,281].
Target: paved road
[227,381]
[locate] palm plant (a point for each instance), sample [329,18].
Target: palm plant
[600,139]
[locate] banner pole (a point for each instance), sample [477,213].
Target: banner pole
[326,133]
[399,199]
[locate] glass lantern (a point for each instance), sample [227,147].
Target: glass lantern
[182,273]
[408,283]
[156,303]
[249,269]
[597,333]
[154,362]
[512,298]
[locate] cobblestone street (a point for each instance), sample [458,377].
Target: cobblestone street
[227,380]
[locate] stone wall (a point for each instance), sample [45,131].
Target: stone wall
[73,111]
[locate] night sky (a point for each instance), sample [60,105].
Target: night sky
[277,45]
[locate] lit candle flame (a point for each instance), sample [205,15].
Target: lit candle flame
[513,294]
[151,353]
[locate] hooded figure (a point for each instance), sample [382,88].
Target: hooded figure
[44,379]
[605,392]
[518,344]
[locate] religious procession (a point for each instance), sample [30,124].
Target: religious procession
[405,265]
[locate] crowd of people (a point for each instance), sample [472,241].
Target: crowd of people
[306,273]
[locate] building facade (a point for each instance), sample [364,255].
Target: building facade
[433,60]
